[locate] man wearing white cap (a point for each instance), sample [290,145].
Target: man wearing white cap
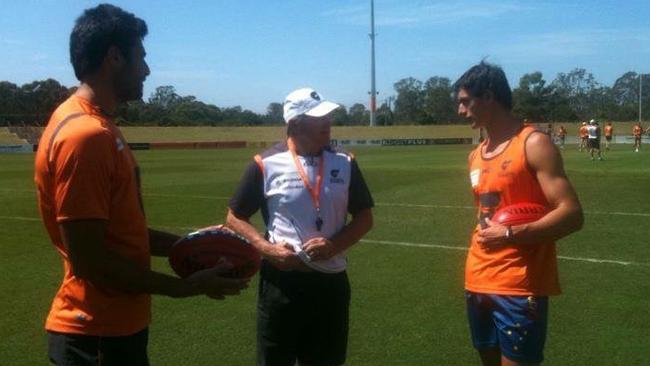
[305,191]
[593,133]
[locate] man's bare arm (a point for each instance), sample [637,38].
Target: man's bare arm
[279,254]
[565,216]
[161,242]
[92,261]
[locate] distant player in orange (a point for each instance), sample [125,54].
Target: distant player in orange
[511,270]
[561,136]
[584,136]
[609,132]
[637,131]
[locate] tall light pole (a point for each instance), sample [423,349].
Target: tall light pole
[640,95]
[373,90]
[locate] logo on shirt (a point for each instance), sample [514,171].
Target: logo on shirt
[505,164]
[311,161]
[334,173]
[120,144]
[474,176]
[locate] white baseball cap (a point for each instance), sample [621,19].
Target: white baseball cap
[308,102]
[592,122]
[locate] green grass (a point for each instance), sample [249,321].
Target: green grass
[276,133]
[407,302]
[273,133]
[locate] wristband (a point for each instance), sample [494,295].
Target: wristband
[509,233]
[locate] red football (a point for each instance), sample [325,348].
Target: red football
[519,213]
[214,247]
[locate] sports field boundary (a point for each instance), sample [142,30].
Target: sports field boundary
[395,243]
[464,249]
[378,204]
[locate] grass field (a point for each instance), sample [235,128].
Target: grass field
[407,276]
[277,133]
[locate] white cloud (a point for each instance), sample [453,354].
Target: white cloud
[397,13]
[188,75]
[569,44]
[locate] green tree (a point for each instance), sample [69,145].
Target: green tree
[409,101]
[384,115]
[164,96]
[438,106]
[532,98]
[625,95]
[358,115]
[275,113]
[577,87]
[340,116]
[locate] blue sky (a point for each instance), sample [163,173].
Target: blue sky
[252,53]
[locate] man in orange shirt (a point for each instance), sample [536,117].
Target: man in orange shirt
[609,133]
[88,185]
[511,270]
[584,135]
[561,136]
[637,131]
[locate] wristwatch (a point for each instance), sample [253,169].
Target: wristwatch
[509,233]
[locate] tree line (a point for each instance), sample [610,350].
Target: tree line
[572,96]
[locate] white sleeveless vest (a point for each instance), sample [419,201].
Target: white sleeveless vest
[291,211]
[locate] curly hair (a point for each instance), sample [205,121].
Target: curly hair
[96,30]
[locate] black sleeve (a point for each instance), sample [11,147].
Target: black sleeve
[249,196]
[359,197]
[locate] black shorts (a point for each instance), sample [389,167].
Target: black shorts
[302,316]
[593,143]
[608,138]
[66,349]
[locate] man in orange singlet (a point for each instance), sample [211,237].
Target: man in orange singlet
[561,136]
[511,270]
[583,135]
[88,186]
[637,131]
[609,133]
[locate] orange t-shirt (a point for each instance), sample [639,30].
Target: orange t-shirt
[637,130]
[609,130]
[516,269]
[84,169]
[584,132]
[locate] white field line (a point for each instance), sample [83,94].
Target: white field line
[641,214]
[380,204]
[19,218]
[452,247]
[396,243]
[409,205]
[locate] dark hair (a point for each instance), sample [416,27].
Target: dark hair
[485,78]
[292,125]
[99,28]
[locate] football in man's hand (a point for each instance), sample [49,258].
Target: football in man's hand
[214,247]
[519,213]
